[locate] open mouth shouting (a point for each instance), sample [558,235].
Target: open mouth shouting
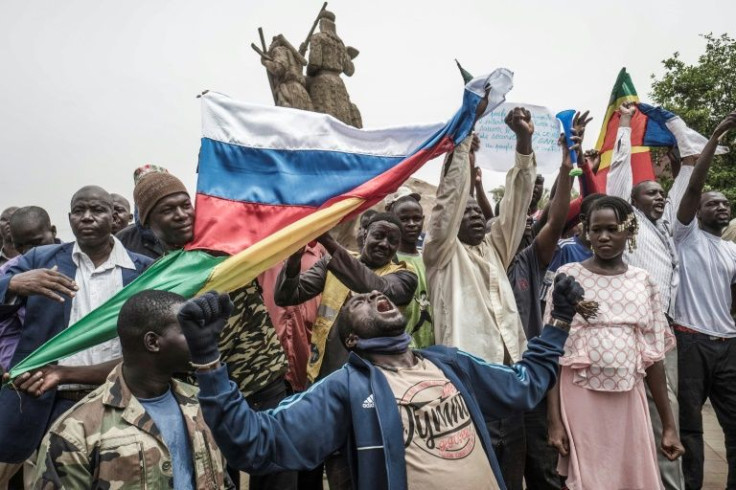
[383,305]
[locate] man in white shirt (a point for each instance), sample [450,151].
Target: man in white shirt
[705,329]
[471,296]
[655,253]
[60,284]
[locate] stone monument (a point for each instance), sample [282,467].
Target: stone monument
[322,89]
[285,67]
[329,58]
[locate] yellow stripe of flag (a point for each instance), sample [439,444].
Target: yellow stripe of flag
[242,268]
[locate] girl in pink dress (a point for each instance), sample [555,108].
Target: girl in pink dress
[598,415]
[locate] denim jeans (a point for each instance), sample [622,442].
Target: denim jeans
[707,370]
[509,444]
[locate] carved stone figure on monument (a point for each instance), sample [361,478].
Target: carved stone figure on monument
[286,65]
[328,59]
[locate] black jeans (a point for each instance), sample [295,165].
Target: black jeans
[268,397]
[509,444]
[540,471]
[707,369]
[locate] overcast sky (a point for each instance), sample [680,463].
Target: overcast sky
[92,89]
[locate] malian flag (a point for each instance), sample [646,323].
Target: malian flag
[641,159]
[271,179]
[650,127]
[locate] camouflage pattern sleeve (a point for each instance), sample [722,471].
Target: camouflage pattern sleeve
[249,344]
[61,464]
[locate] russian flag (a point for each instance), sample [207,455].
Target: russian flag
[270,180]
[264,168]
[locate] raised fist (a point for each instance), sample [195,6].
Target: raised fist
[202,319]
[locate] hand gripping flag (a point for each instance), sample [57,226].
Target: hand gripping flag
[270,180]
[665,129]
[650,127]
[641,160]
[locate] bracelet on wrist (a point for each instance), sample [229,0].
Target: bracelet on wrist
[207,366]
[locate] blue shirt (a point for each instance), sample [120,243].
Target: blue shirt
[166,414]
[568,250]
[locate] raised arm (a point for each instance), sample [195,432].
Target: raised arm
[620,179]
[546,240]
[280,439]
[685,169]
[480,194]
[691,198]
[476,189]
[294,287]
[507,230]
[449,207]
[503,390]
[262,442]
[398,286]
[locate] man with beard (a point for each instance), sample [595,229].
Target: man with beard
[404,204]
[704,327]
[655,253]
[377,405]
[336,277]
[471,296]
[139,415]
[60,284]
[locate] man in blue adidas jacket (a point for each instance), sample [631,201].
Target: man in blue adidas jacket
[407,419]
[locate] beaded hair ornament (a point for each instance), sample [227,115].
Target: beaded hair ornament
[589,309]
[630,224]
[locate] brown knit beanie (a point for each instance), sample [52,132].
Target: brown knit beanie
[153,187]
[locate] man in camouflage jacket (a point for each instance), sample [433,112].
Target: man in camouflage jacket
[110,440]
[249,344]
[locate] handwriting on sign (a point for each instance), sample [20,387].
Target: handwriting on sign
[498,142]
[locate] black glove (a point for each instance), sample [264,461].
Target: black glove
[202,319]
[566,295]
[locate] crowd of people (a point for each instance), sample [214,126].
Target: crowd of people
[566,346]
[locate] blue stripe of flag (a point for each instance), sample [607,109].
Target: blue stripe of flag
[656,133]
[286,177]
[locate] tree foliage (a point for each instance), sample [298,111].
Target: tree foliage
[703,94]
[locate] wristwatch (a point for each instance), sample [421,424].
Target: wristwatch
[561,324]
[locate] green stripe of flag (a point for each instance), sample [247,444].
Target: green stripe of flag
[623,87]
[180,272]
